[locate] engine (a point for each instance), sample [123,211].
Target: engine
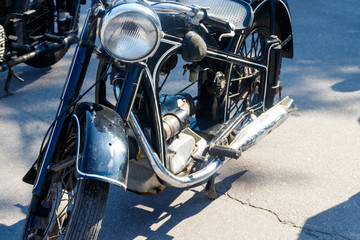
[181,141]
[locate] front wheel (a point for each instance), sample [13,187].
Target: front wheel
[75,214]
[86,219]
[72,208]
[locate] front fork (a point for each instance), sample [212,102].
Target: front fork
[70,92]
[69,97]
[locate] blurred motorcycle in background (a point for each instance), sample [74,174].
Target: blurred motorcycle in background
[36,32]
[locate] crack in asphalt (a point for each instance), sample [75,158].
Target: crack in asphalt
[289,223]
[309,231]
[31,114]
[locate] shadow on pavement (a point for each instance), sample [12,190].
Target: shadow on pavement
[339,222]
[7,232]
[153,217]
[135,215]
[348,85]
[324,74]
[28,74]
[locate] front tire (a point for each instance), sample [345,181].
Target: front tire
[80,220]
[74,208]
[89,210]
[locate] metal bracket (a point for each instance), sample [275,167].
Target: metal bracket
[8,80]
[210,191]
[231,32]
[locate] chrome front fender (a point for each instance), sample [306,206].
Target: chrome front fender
[102,151]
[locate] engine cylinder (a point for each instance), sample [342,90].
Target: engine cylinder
[174,122]
[176,112]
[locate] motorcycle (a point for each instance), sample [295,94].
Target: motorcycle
[36,32]
[151,127]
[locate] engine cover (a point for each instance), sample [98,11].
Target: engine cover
[179,152]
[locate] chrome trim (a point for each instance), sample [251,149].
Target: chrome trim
[231,33]
[47,149]
[152,80]
[176,45]
[156,111]
[196,13]
[168,41]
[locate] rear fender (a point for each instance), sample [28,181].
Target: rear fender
[102,151]
[282,15]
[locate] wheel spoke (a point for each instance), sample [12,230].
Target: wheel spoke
[243,89]
[60,198]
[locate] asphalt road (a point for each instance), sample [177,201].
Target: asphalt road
[300,182]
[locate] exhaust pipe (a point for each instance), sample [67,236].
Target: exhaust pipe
[261,126]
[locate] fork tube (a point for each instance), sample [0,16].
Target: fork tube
[71,90]
[129,90]
[272,16]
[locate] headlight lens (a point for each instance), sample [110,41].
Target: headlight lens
[130,32]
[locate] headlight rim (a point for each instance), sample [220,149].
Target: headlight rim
[129,8]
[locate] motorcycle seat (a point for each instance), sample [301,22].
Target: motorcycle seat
[237,12]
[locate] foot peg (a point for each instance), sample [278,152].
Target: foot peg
[224,151]
[8,80]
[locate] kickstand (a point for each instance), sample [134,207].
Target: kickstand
[8,80]
[210,191]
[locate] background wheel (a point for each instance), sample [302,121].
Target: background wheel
[16,6]
[247,84]
[44,22]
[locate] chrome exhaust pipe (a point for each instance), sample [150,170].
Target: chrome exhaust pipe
[246,138]
[261,126]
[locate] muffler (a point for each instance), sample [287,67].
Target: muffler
[261,126]
[253,132]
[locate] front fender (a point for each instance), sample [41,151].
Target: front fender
[102,152]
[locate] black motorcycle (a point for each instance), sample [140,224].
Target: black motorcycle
[36,32]
[154,125]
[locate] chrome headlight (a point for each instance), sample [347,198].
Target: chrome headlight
[130,32]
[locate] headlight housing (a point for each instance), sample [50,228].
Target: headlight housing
[130,32]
